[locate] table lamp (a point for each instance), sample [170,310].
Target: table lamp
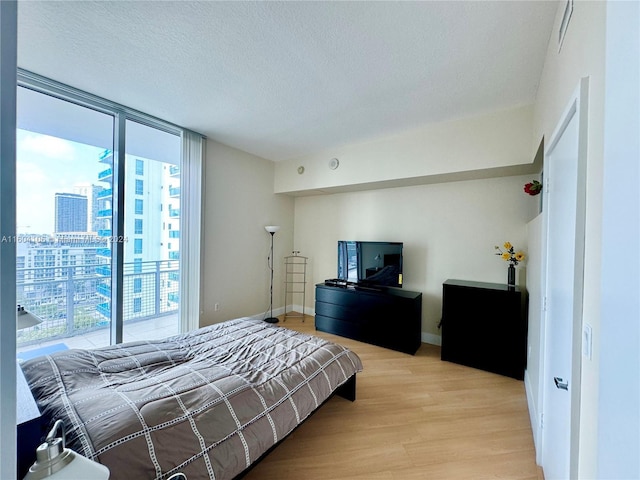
[26,319]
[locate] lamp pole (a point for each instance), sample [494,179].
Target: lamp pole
[272,229]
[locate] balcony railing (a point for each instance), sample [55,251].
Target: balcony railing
[71,300]
[105,213]
[103,270]
[106,157]
[174,191]
[107,192]
[174,171]
[174,233]
[174,212]
[105,174]
[104,290]
[104,309]
[174,255]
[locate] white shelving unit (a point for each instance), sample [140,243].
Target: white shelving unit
[295,282]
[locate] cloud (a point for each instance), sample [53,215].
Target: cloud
[30,173]
[45,166]
[44,145]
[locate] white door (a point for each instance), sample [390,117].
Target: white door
[561,176]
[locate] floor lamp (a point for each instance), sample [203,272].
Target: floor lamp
[272,229]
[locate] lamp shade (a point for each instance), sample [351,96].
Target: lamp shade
[272,228]
[26,319]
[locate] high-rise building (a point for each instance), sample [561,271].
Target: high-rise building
[92,192]
[151,236]
[70,212]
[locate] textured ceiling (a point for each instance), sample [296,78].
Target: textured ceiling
[284,79]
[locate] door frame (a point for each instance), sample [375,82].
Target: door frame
[578,107]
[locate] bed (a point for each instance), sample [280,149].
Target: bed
[208,403]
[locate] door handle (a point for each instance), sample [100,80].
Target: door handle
[560,384]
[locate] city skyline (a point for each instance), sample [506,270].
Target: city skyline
[66,276]
[65,209]
[45,166]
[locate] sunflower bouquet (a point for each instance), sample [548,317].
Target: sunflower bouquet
[509,254]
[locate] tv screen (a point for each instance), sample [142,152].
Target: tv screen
[370,263]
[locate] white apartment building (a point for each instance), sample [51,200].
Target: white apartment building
[151,235]
[90,191]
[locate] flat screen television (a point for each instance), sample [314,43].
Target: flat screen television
[370,263]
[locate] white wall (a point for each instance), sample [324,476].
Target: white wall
[449,230]
[496,144]
[239,202]
[619,392]
[449,227]
[582,55]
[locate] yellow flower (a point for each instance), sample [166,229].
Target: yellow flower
[508,246]
[519,256]
[506,256]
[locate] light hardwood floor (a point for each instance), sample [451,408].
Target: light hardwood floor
[415,417]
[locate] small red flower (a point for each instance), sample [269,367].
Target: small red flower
[533,188]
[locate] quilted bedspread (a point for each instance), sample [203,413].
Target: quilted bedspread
[207,403]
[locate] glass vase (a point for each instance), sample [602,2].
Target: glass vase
[511,275]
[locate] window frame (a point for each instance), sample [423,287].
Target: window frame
[191,163]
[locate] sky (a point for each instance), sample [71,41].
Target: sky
[45,166]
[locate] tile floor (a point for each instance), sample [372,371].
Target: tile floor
[151,329]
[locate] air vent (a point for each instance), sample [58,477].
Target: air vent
[566,17]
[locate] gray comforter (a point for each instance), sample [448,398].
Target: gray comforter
[207,403]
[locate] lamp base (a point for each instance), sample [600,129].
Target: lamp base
[271,320]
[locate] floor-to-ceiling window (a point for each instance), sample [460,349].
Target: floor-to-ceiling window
[63,210]
[152,226]
[99,220]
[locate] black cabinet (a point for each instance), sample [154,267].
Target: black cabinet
[484,326]
[388,317]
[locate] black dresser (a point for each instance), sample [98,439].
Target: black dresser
[388,317]
[484,325]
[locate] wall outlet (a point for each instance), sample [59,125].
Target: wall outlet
[216,307]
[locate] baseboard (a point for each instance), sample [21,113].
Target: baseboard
[298,308]
[280,311]
[263,315]
[431,339]
[533,414]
